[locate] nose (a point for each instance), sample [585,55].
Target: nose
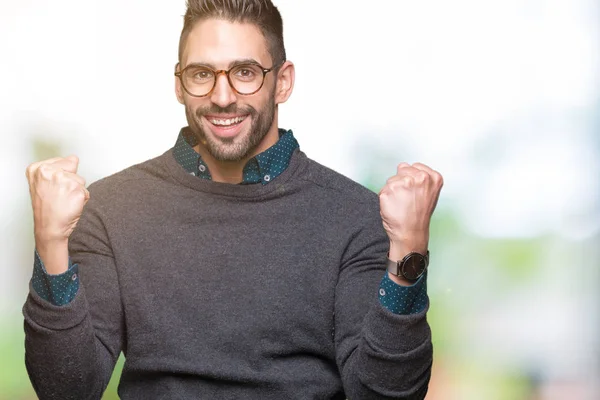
[223,94]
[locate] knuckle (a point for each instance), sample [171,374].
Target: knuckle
[80,195]
[58,175]
[45,171]
[387,188]
[73,186]
[421,176]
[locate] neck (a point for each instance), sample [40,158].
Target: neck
[231,171]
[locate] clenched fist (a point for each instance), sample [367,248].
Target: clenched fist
[407,202]
[58,196]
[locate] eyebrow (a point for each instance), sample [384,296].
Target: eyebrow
[232,64]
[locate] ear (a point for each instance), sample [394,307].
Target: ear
[178,87]
[285,82]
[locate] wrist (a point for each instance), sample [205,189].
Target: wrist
[398,250]
[54,255]
[47,236]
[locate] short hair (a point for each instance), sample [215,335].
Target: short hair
[261,13]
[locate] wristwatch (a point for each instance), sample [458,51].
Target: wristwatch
[411,267]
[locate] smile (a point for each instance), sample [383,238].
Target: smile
[226,121]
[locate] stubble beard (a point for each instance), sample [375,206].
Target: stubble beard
[237,148]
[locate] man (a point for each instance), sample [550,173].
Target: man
[232,266]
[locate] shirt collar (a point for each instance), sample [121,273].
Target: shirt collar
[262,168]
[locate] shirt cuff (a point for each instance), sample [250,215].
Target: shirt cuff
[403,300]
[57,289]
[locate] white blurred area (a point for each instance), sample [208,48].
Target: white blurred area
[501,96]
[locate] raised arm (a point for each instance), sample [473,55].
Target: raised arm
[71,349]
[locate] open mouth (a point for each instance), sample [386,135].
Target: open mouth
[226,126]
[226,122]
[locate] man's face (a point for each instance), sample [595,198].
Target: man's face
[230,126]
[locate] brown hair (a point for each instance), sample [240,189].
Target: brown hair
[261,13]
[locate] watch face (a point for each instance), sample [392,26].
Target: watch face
[414,266]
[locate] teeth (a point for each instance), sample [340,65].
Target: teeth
[227,122]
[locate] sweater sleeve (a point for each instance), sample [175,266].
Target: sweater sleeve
[380,354]
[71,349]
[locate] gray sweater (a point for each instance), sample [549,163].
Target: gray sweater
[219,291]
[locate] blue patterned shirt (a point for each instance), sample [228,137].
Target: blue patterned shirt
[264,167]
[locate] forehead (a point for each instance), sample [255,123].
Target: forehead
[219,42]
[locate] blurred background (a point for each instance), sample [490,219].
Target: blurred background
[501,96]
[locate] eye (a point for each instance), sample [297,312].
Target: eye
[200,75]
[246,72]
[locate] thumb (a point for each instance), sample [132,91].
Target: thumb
[74,160]
[87,195]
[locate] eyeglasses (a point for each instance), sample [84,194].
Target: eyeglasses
[245,79]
